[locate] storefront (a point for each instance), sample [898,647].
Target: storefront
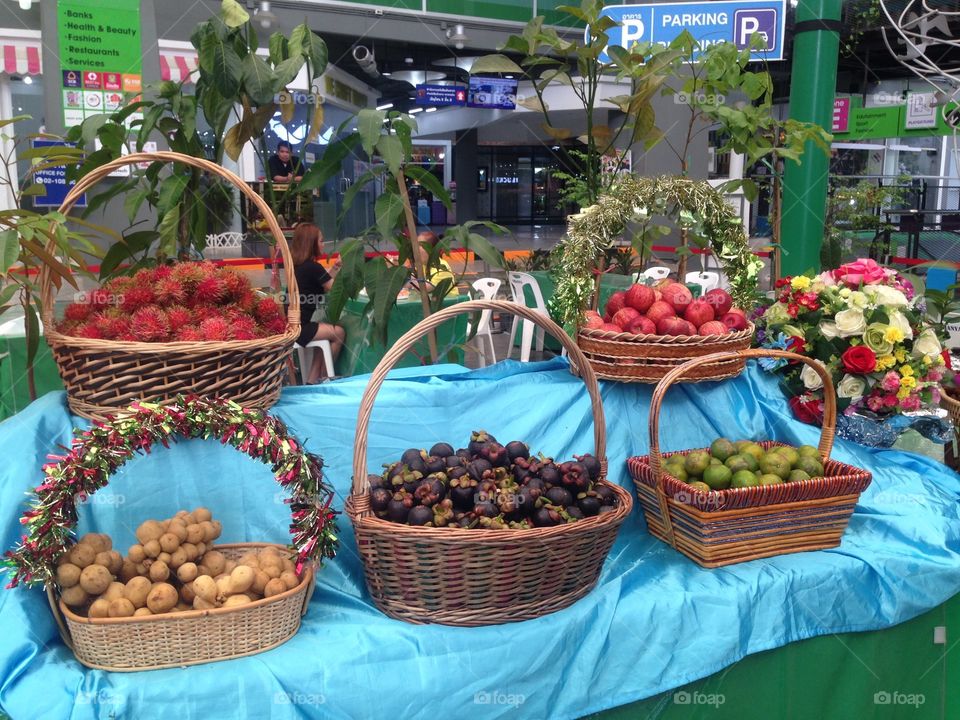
[519,185]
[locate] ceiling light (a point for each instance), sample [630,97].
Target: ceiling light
[416,110]
[264,16]
[509,77]
[431,109]
[457,36]
[408,60]
[27,80]
[385,106]
[25,4]
[386,74]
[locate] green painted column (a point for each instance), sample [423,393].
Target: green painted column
[816,45]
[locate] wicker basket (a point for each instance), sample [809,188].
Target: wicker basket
[479,577]
[648,358]
[952,406]
[103,377]
[723,527]
[186,638]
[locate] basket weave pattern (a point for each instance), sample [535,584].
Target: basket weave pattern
[648,358]
[479,577]
[729,526]
[103,377]
[187,638]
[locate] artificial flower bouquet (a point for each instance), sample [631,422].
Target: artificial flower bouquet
[865,323]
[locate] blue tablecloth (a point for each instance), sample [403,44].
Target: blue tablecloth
[655,621]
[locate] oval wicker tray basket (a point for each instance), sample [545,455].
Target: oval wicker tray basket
[479,577]
[723,527]
[186,638]
[103,377]
[648,358]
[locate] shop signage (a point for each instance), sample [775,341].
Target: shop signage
[54,180]
[841,115]
[921,111]
[440,95]
[709,23]
[488,92]
[891,121]
[100,57]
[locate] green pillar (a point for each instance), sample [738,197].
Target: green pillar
[816,45]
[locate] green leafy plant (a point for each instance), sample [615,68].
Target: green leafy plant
[943,308]
[856,209]
[537,260]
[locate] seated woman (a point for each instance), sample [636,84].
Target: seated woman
[313,281]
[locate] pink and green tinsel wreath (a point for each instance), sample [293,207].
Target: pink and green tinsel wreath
[98,452]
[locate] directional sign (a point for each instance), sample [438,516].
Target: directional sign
[708,22]
[437,95]
[54,181]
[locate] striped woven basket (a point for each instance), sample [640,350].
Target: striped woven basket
[724,527]
[952,406]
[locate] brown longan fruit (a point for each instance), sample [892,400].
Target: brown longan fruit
[194,533]
[205,588]
[74,596]
[128,570]
[230,565]
[235,600]
[150,530]
[273,571]
[136,591]
[121,607]
[144,566]
[142,612]
[116,590]
[95,579]
[136,553]
[177,558]
[187,572]
[224,587]
[166,523]
[159,571]
[260,581]
[249,559]
[98,541]
[217,528]
[152,548]
[179,529]
[162,598]
[200,604]
[114,563]
[201,548]
[201,514]
[164,557]
[274,587]
[169,542]
[187,594]
[215,561]
[99,609]
[68,575]
[288,565]
[182,607]
[290,580]
[241,579]
[209,531]
[82,555]
[191,550]
[180,514]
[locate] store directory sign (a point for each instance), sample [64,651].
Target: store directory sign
[441,95]
[709,23]
[495,93]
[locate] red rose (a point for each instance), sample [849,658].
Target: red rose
[806,410]
[859,359]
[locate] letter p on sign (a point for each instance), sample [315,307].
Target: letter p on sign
[632,32]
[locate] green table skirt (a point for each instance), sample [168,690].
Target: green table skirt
[361,351]
[14,388]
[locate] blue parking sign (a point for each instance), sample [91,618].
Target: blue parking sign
[54,181]
[737,21]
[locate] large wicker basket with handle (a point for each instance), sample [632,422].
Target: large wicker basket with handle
[479,577]
[102,377]
[723,527]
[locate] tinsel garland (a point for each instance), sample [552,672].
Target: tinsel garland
[95,454]
[693,204]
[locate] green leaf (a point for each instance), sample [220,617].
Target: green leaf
[330,164]
[9,250]
[167,232]
[171,190]
[287,70]
[391,151]
[132,203]
[348,281]
[279,48]
[370,126]
[258,79]
[6,295]
[233,14]
[389,283]
[317,54]
[496,63]
[484,249]
[430,181]
[358,185]
[387,211]
[222,63]
[33,332]
[127,248]
[300,40]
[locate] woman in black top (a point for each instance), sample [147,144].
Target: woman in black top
[313,281]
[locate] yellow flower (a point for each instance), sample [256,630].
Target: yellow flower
[885,361]
[940,360]
[906,370]
[893,334]
[908,382]
[900,354]
[903,391]
[845,292]
[800,282]
[927,360]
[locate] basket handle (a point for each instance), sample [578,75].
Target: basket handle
[827,431]
[578,362]
[98,174]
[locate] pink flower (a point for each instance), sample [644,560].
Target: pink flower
[860,272]
[935,375]
[910,403]
[890,401]
[875,403]
[890,382]
[826,277]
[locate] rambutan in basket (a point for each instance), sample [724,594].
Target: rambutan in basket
[471,577]
[626,357]
[103,377]
[723,527]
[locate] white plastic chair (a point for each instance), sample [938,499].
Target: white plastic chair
[487,289]
[305,356]
[14,327]
[706,280]
[655,273]
[226,244]
[518,281]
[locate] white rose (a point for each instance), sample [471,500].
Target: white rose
[828,329]
[858,299]
[811,380]
[899,321]
[850,322]
[889,297]
[852,386]
[927,344]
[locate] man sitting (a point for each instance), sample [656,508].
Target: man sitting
[285,167]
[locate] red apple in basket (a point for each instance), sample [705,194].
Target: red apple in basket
[643,326]
[592,320]
[735,320]
[625,317]
[691,328]
[720,300]
[714,327]
[679,296]
[672,326]
[660,310]
[610,327]
[616,303]
[640,297]
[699,312]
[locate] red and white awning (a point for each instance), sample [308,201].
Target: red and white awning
[20,59]
[177,66]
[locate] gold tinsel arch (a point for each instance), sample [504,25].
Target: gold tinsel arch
[694,205]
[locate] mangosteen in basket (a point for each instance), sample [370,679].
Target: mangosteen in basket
[380,498]
[477,467]
[410,456]
[377,481]
[607,496]
[591,463]
[454,461]
[519,525]
[589,504]
[486,509]
[550,473]
[462,492]
[517,449]
[443,513]
[604,509]
[574,476]
[535,486]
[559,496]
[430,491]
[420,515]
[547,516]
[435,464]
[465,454]
[442,449]
[495,523]
[573,513]
[479,438]
[455,472]
[495,454]
[486,491]
[468,520]
[399,508]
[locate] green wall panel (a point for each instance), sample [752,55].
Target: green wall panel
[517,10]
[552,17]
[401,4]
